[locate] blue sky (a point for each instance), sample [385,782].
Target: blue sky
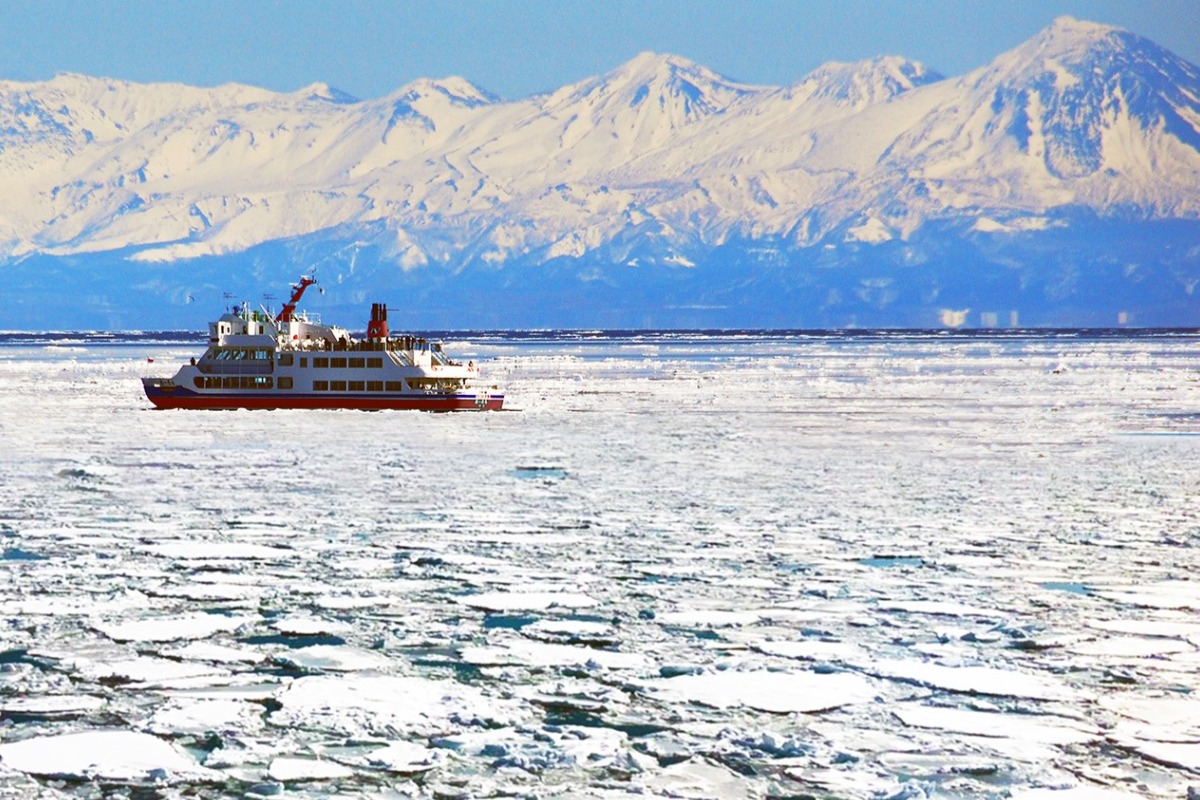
[369,47]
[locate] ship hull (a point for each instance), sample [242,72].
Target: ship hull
[166,395]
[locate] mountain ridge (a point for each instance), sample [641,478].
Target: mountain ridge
[658,165]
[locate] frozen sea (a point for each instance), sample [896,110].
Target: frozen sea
[735,565]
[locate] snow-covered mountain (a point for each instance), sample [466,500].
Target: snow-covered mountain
[1058,184]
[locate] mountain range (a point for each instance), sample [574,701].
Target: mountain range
[1057,185]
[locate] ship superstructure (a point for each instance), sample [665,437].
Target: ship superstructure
[289,360]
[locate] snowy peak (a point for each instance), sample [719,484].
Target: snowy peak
[455,90]
[1067,47]
[673,87]
[858,85]
[427,106]
[668,80]
[323,92]
[1077,85]
[638,107]
[1067,34]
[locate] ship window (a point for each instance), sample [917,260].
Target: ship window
[357,363]
[199,382]
[375,363]
[303,361]
[357,386]
[260,328]
[320,386]
[263,382]
[394,386]
[321,363]
[434,384]
[337,386]
[229,383]
[285,382]
[286,359]
[337,363]
[262,355]
[374,386]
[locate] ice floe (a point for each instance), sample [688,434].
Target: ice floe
[1130,647]
[217,653]
[1172,594]
[812,650]
[1043,728]
[201,716]
[526,601]
[371,705]
[940,608]
[333,658]
[1075,792]
[169,629]
[50,706]
[308,626]
[779,692]
[519,651]
[220,550]
[697,778]
[307,769]
[973,679]
[714,618]
[403,757]
[105,754]
[150,670]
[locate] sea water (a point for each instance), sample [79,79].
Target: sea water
[707,564]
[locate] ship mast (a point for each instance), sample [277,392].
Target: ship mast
[285,315]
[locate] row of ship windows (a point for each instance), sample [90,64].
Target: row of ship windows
[285,382]
[358,386]
[324,362]
[238,354]
[242,382]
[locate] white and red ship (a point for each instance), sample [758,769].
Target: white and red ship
[255,360]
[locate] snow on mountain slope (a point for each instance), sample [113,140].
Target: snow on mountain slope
[1081,114]
[239,168]
[591,128]
[59,130]
[193,170]
[658,159]
[756,159]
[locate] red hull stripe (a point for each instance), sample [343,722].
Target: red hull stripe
[183,398]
